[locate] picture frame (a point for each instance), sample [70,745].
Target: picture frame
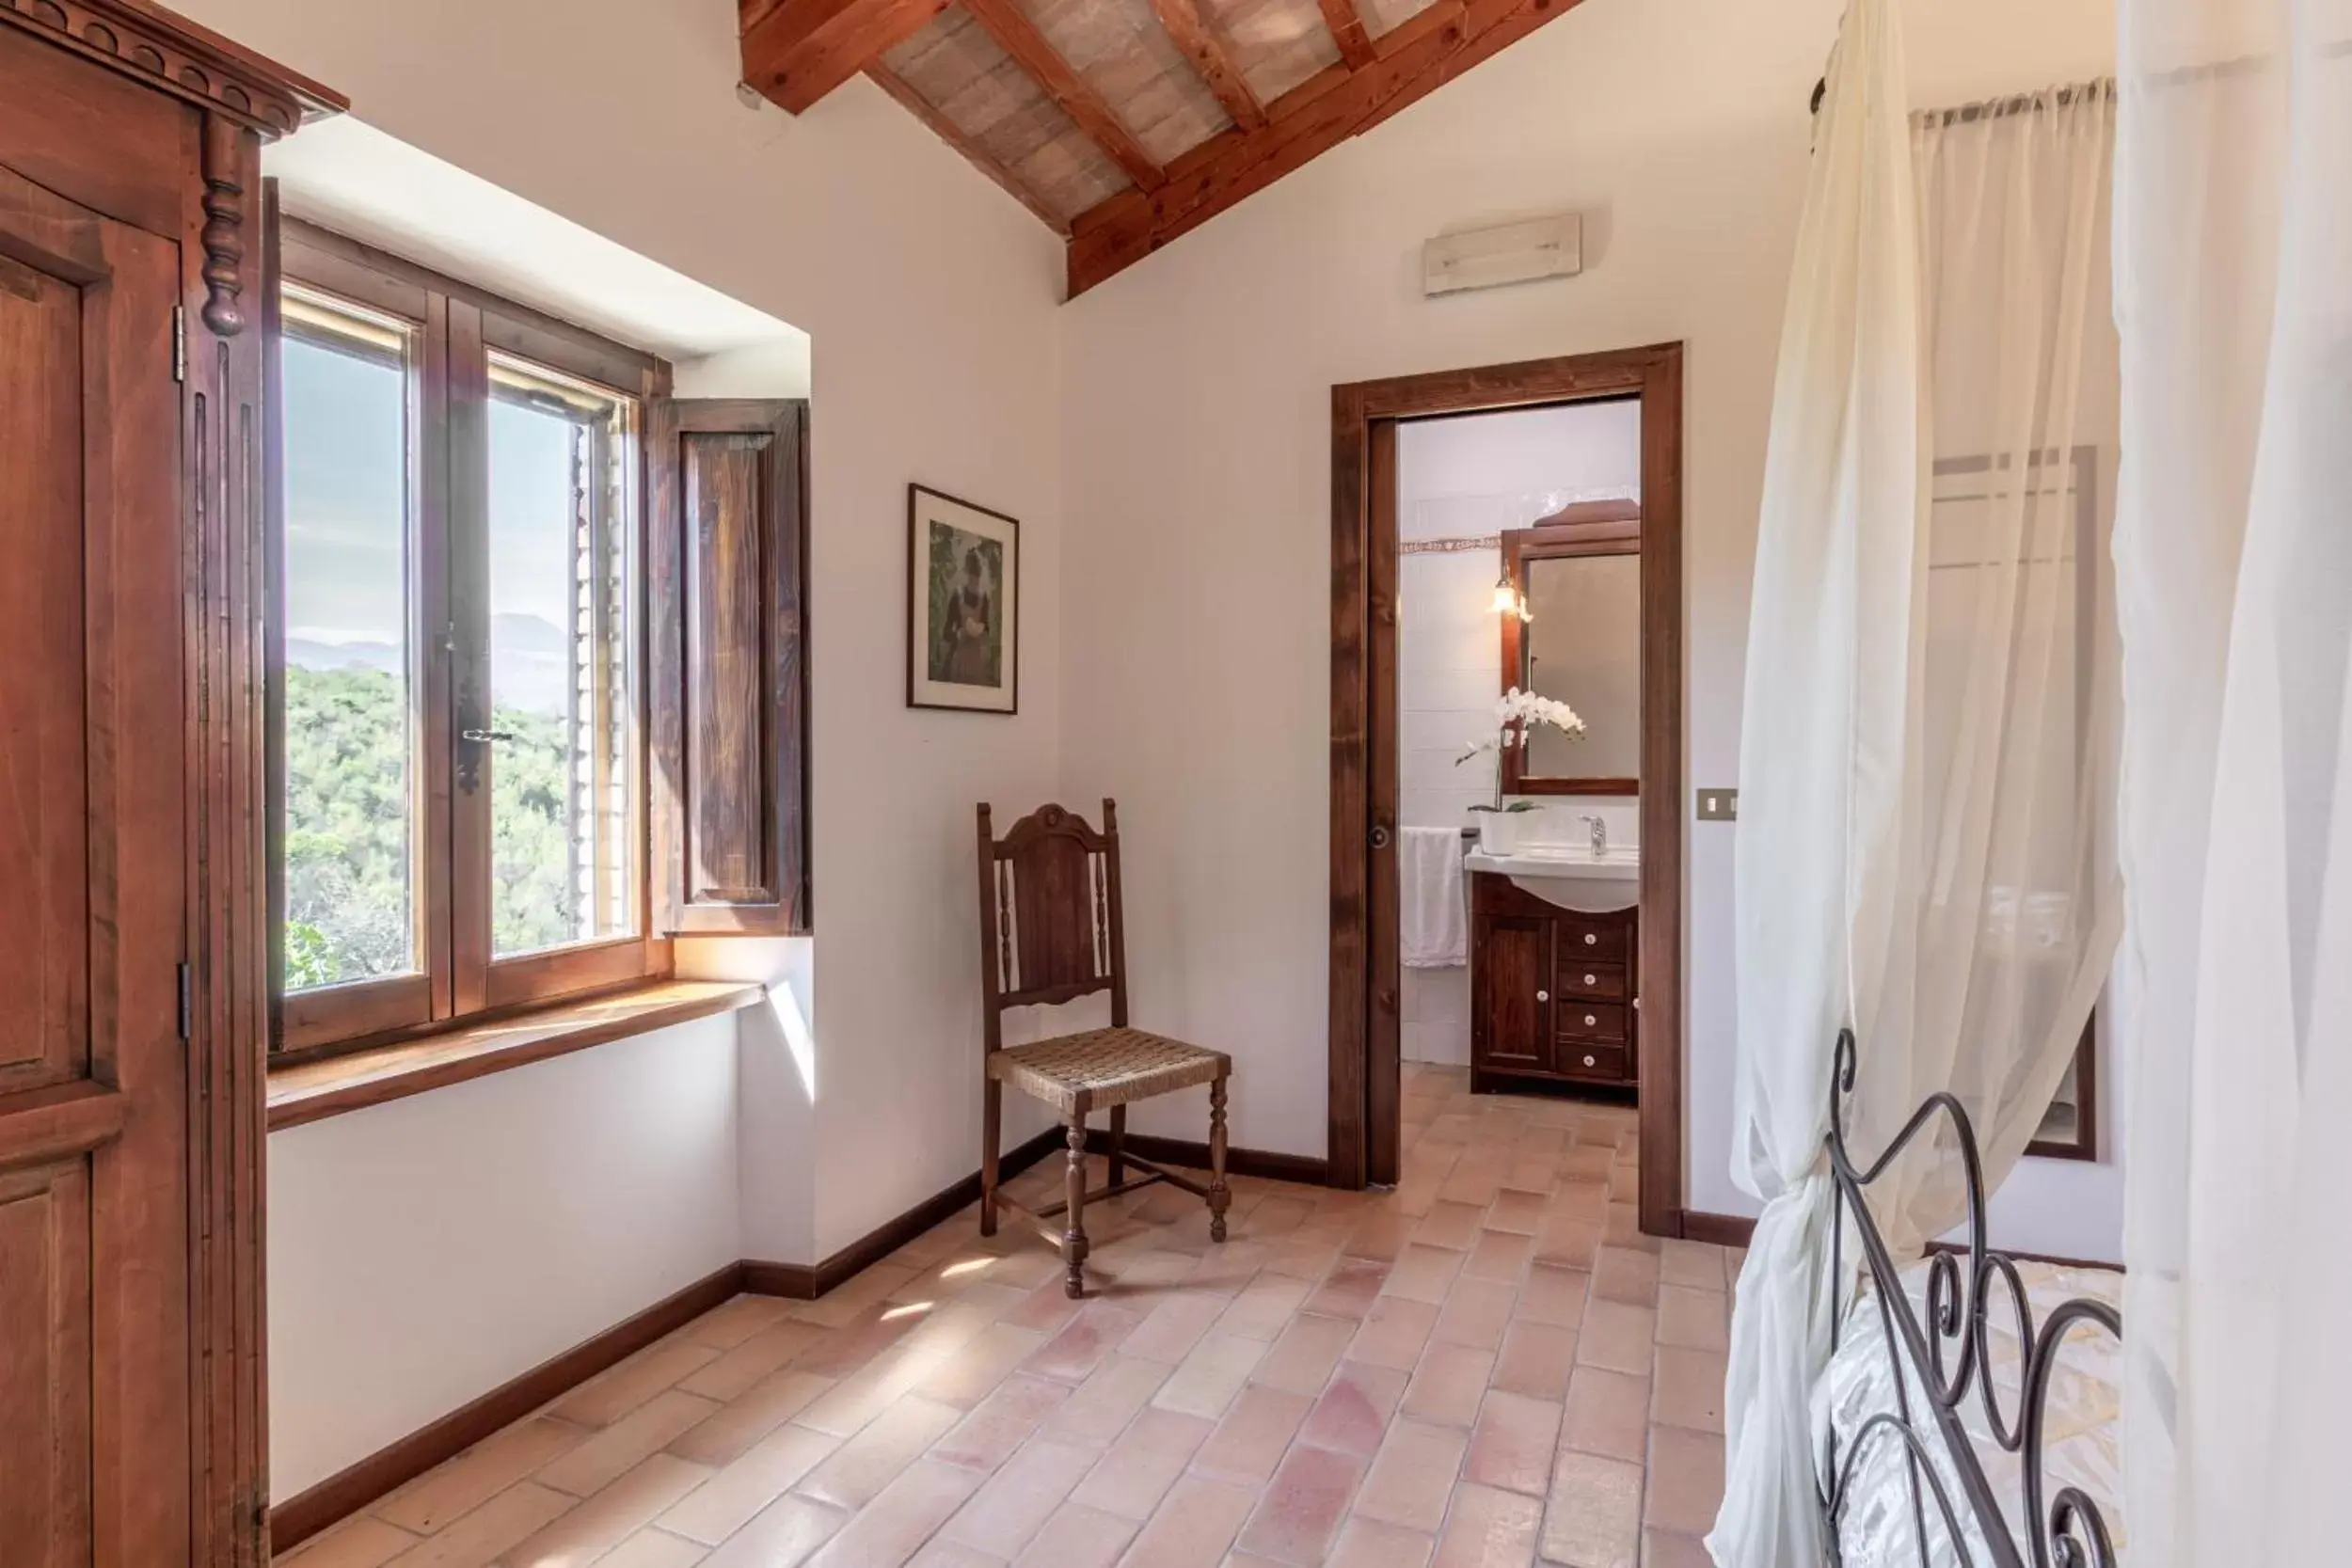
[963,605]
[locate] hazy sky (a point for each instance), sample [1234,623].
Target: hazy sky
[345,571]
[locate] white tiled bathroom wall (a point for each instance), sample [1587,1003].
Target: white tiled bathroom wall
[1469,479]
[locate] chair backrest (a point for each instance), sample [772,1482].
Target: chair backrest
[1051,929]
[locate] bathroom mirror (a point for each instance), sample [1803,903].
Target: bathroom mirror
[1578,575]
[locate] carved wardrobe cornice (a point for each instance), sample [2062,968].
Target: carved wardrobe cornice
[173,54]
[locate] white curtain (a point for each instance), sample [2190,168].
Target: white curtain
[1927,747]
[2234,558]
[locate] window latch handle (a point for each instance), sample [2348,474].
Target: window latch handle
[482,737]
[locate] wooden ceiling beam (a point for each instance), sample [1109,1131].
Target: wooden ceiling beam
[1010,27]
[1206,48]
[794,52]
[948,132]
[1347,29]
[1317,114]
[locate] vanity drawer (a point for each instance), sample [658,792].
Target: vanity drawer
[1592,981]
[1582,940]
[1592,1059]
[1576,1020]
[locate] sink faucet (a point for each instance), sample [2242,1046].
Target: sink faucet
[1600,834]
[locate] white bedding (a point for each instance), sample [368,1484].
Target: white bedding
[1876,1530]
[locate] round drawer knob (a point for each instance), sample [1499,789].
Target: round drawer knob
[1590,1020]
[1592,979]
[1591,940]
[1543,996]
[1589,1062]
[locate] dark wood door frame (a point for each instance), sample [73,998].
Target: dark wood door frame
[1365,1068]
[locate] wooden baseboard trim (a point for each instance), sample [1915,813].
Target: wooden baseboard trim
[807,1282]
[1259,1163]
[346,1492]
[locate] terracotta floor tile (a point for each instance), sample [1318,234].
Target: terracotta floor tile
[845,1351]
[596,1462]
[1194,1526]
[1489,1529]
[1593,1518]
[1354,1410]
[1073,1354]
[967,1374]
[1672,1550]
[613,1395]
[849,1299]
[1010,1505]
[1695,1320]
[1689,1388]
[1448,1385]
[786,1533]
[1617,1337]
[359,1543]
[1171,1330]
[477,1538]
[1369,1543]
[1302,1506]
[1412,1476]
[725,1434]
[1136,1471]
[1625,1274]
[1607,1413]
[1498,1254]
[1276,1216]
[857,1471]
[1686,1479]
[1263,1307]
[1475,1313]
[1301,1360]
[1256,1431]
[481,1472]
[1450,1225]
[1554,1295]
[1046,1308]
[1535,1360]
[1212,1374]
[1697,1264]
[1393,1333]
[891,1528]
[1101,1407]
[1517,1211]
[1348,1291]
[602,1521]
[1568,1241]
[849,1404]
[1001,1423]
[1424,1272]
[940,1552]
[730,1500]
[1624,1227]
[1079,1538]
[1381,1235]
[1511,1446]
[652,1548]
[735,1370]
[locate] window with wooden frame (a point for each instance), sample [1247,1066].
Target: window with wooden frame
[463,668]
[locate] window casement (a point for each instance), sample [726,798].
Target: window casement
[536,656]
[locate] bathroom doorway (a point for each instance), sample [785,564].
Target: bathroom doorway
[1603,527]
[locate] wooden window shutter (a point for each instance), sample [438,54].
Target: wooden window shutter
[727,550]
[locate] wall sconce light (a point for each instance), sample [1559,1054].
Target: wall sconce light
[1509,600]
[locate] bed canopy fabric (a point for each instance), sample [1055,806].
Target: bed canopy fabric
[1928,753]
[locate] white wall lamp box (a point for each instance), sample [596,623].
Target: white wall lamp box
[1521,252]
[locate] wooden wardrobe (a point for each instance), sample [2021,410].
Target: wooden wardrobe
[131,919]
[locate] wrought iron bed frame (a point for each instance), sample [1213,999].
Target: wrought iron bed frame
[2073,1533]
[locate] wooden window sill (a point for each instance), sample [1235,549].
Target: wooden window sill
[312,1091]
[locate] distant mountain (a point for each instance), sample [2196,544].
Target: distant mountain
[531,665]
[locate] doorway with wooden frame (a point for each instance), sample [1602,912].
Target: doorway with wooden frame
[1366,1061]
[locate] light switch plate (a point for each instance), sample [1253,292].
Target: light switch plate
[1719,805]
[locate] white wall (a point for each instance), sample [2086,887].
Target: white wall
[1197,680]
[930,298]
[424,1251]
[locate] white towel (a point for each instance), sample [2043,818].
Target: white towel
[1433,924]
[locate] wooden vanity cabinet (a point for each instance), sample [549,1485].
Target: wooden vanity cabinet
[1552,991]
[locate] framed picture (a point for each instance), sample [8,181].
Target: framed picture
[963,605]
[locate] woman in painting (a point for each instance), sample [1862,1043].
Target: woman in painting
[971,612]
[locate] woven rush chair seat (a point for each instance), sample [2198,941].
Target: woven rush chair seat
[1103,1067]
[1052,932]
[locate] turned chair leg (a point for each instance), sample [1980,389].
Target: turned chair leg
[1074,1238]
[991,1115]
[1220,1197]
[1119,1145]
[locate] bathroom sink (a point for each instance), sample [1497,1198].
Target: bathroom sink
[1569,877]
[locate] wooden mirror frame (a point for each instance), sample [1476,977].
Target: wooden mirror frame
[1586,528]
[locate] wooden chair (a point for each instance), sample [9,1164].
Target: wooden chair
[1050,931]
